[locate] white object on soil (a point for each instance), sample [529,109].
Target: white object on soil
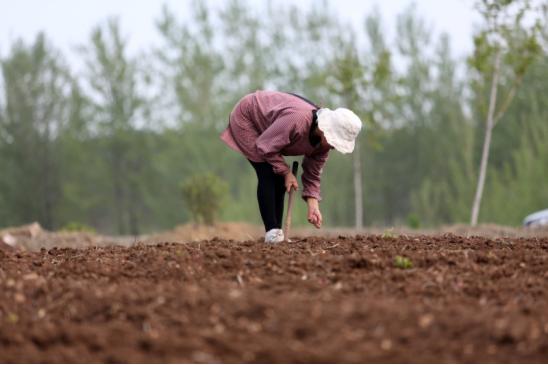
[536,219]
[275,235]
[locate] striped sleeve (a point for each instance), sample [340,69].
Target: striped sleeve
[312,171]
[273,140]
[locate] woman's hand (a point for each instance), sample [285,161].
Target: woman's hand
[291,182]
[314,214]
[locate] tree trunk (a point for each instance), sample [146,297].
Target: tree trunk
[46,178]
[358,194]
[118,170]
[486,141]
[48,190]
[133,206]
[119,204]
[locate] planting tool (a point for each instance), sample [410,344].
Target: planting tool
[287,224]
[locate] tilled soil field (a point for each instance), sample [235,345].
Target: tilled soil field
[316,300]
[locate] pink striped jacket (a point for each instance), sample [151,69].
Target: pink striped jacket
[266,125]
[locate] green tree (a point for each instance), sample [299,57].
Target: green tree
[119,120]
[506,44]
[204,195]
[192,67]
[444,191]
[33,116]
[359,82]
[397,167]
[516,186]
[347,82]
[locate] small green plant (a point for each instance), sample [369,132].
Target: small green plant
[12,318]
[77,227]
[204,195]
[402,262]
[388,234]
[413,221]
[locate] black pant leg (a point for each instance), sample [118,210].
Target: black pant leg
[266,194]
[280,197]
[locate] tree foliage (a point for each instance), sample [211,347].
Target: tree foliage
[204,196]
[109,145]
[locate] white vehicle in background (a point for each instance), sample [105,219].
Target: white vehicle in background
[536,219]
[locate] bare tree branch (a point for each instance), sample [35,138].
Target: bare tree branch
[508,100]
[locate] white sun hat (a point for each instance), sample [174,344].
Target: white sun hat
[340,128]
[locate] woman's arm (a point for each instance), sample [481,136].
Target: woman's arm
[314,214]
[312,171]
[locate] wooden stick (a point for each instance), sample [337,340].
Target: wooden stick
[287,225]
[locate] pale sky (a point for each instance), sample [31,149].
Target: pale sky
[68,23]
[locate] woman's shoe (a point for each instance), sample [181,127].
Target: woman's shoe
[275,235]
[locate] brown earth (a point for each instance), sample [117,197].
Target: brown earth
[335,299]
[33,237]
